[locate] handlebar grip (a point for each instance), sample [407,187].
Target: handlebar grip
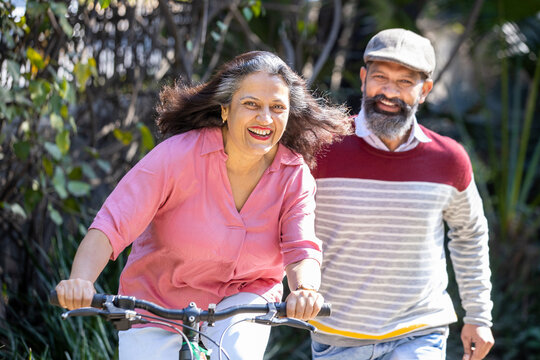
[97,301]
[53,298]
[326,309]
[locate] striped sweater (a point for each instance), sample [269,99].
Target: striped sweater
[381,218]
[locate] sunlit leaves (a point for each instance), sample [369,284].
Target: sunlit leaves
[63,142]
[39,91]
[254,9]
[124,137]
[147,140]
[56,122]
[83,72]
[35,58]
[60,10]
[104,3]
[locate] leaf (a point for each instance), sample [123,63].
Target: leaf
[22,149]
[47,166]
[66,26]
[54,215]
[59,183]
[221,26]
[189,45]
[256,8]
[32,198]
[39,91]
[248,14]
[56,122]
[53,150]
[64,111]
[76,173]
[16,209]
[83,71]
[125,137]
[60,9]
[78,188]
[215,35]
[104,165]
[63,142]
[88,171]
[35,58]
[14,69]
[104,3]
[146,137]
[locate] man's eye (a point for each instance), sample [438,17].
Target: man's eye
[405,82]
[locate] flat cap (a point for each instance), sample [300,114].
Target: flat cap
[403,47]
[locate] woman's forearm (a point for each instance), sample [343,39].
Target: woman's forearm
[92,256]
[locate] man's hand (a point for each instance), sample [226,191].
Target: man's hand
[304,304]
[477,341]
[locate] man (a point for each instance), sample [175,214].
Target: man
[383,197]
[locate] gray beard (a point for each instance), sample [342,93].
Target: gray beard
[388,125]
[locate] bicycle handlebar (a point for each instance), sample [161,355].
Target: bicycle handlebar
[129,303]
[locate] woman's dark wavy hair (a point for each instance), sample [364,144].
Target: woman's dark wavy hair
[312,124]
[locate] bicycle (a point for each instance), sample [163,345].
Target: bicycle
[119,310]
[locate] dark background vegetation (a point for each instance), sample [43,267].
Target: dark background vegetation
[79,82]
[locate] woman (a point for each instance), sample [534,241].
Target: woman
[219,209]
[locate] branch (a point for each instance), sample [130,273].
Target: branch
[329,43]
[217,53]
[471,21]
[171,26]
[252,37]
[134,96]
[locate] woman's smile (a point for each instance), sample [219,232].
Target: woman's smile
[260,133]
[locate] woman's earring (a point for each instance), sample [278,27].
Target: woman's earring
[224,120]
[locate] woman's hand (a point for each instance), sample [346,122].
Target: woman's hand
[75,293]
[91,257]
[304,304]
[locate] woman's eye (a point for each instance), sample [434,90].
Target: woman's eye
[279,107]
[250,103]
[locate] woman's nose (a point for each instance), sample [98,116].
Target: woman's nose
[265,116]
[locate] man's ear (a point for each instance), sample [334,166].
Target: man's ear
[426,88]
[363,74]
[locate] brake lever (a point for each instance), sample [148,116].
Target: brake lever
[88,311]
[121,319]
[299,324]
[271,319]
[267,318]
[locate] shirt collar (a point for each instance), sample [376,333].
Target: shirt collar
[213,142]
[362,130]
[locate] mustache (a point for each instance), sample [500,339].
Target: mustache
[404,107]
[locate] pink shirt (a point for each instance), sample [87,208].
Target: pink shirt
[189,241]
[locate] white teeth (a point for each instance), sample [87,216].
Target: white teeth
[388,103]
[260,132]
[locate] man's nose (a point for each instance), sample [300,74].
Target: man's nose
[390,90]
